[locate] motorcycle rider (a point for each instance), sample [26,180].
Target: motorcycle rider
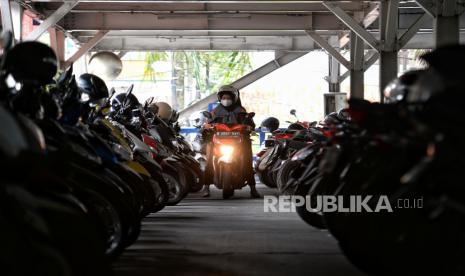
[230,111]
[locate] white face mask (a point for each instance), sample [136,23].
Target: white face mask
[226,102]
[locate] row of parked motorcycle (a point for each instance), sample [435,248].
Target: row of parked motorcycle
[409,149]
[81,166]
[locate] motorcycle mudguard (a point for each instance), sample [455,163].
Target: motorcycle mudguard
[173,158]
[304,153]
[136,167]
[147,159]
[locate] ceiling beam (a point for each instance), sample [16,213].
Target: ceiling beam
[429,6]
[201,7]
[52,19]
[410,32]
[420,40]
[85,48]
[330,49]
[231,43]
[7,19]
[392,25]
[352,25]
[219,22]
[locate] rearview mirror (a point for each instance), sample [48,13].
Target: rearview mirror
[149,101]
[207,114]
[129,91]
[112,92]
[292,112]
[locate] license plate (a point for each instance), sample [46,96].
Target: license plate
[228,134]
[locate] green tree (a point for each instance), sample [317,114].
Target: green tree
[210,70]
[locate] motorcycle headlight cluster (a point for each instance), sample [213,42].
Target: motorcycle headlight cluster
[226,150]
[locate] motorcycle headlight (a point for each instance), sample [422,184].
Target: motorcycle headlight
[226,150]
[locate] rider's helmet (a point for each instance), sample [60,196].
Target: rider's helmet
[229,90]
[398,89]
[343,114]
[164,110]
[123,100]
[441,76]
[93,88]
[330,120]
[270,123]
[31,62]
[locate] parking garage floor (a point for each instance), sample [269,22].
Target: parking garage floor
[212,236]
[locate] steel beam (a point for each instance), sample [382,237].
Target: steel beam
[216,22]
[366,22]
[446,24]
[85,48]
[449,8]
[429,6]
[370,61]
[52,19]
[17,17]
[410,32]
[391,18]
[352,24]
[57,43]
[7,19]
[121,54]
[244,81]
[202,7]
[216,42]
[267,69]
[330,49]
[446,30]
[366,65]
[357,59]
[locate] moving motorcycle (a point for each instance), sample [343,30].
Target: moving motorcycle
[227,149]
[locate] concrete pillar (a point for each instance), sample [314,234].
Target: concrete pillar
[334,67]
[388,65]
[333,80]
[446,30]
[357,83]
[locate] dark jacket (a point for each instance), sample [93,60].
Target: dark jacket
[235,114]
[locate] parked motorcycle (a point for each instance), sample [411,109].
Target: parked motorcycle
[90,179]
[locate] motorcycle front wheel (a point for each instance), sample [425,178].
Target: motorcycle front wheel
[226,181]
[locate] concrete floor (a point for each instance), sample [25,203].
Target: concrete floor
[231,237]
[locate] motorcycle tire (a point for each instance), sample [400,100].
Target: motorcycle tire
[285,172]
[130,218]
[226,180]
[106,217]
[176,183]
[311,218]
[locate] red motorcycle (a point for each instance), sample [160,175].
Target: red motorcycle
[228,155]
